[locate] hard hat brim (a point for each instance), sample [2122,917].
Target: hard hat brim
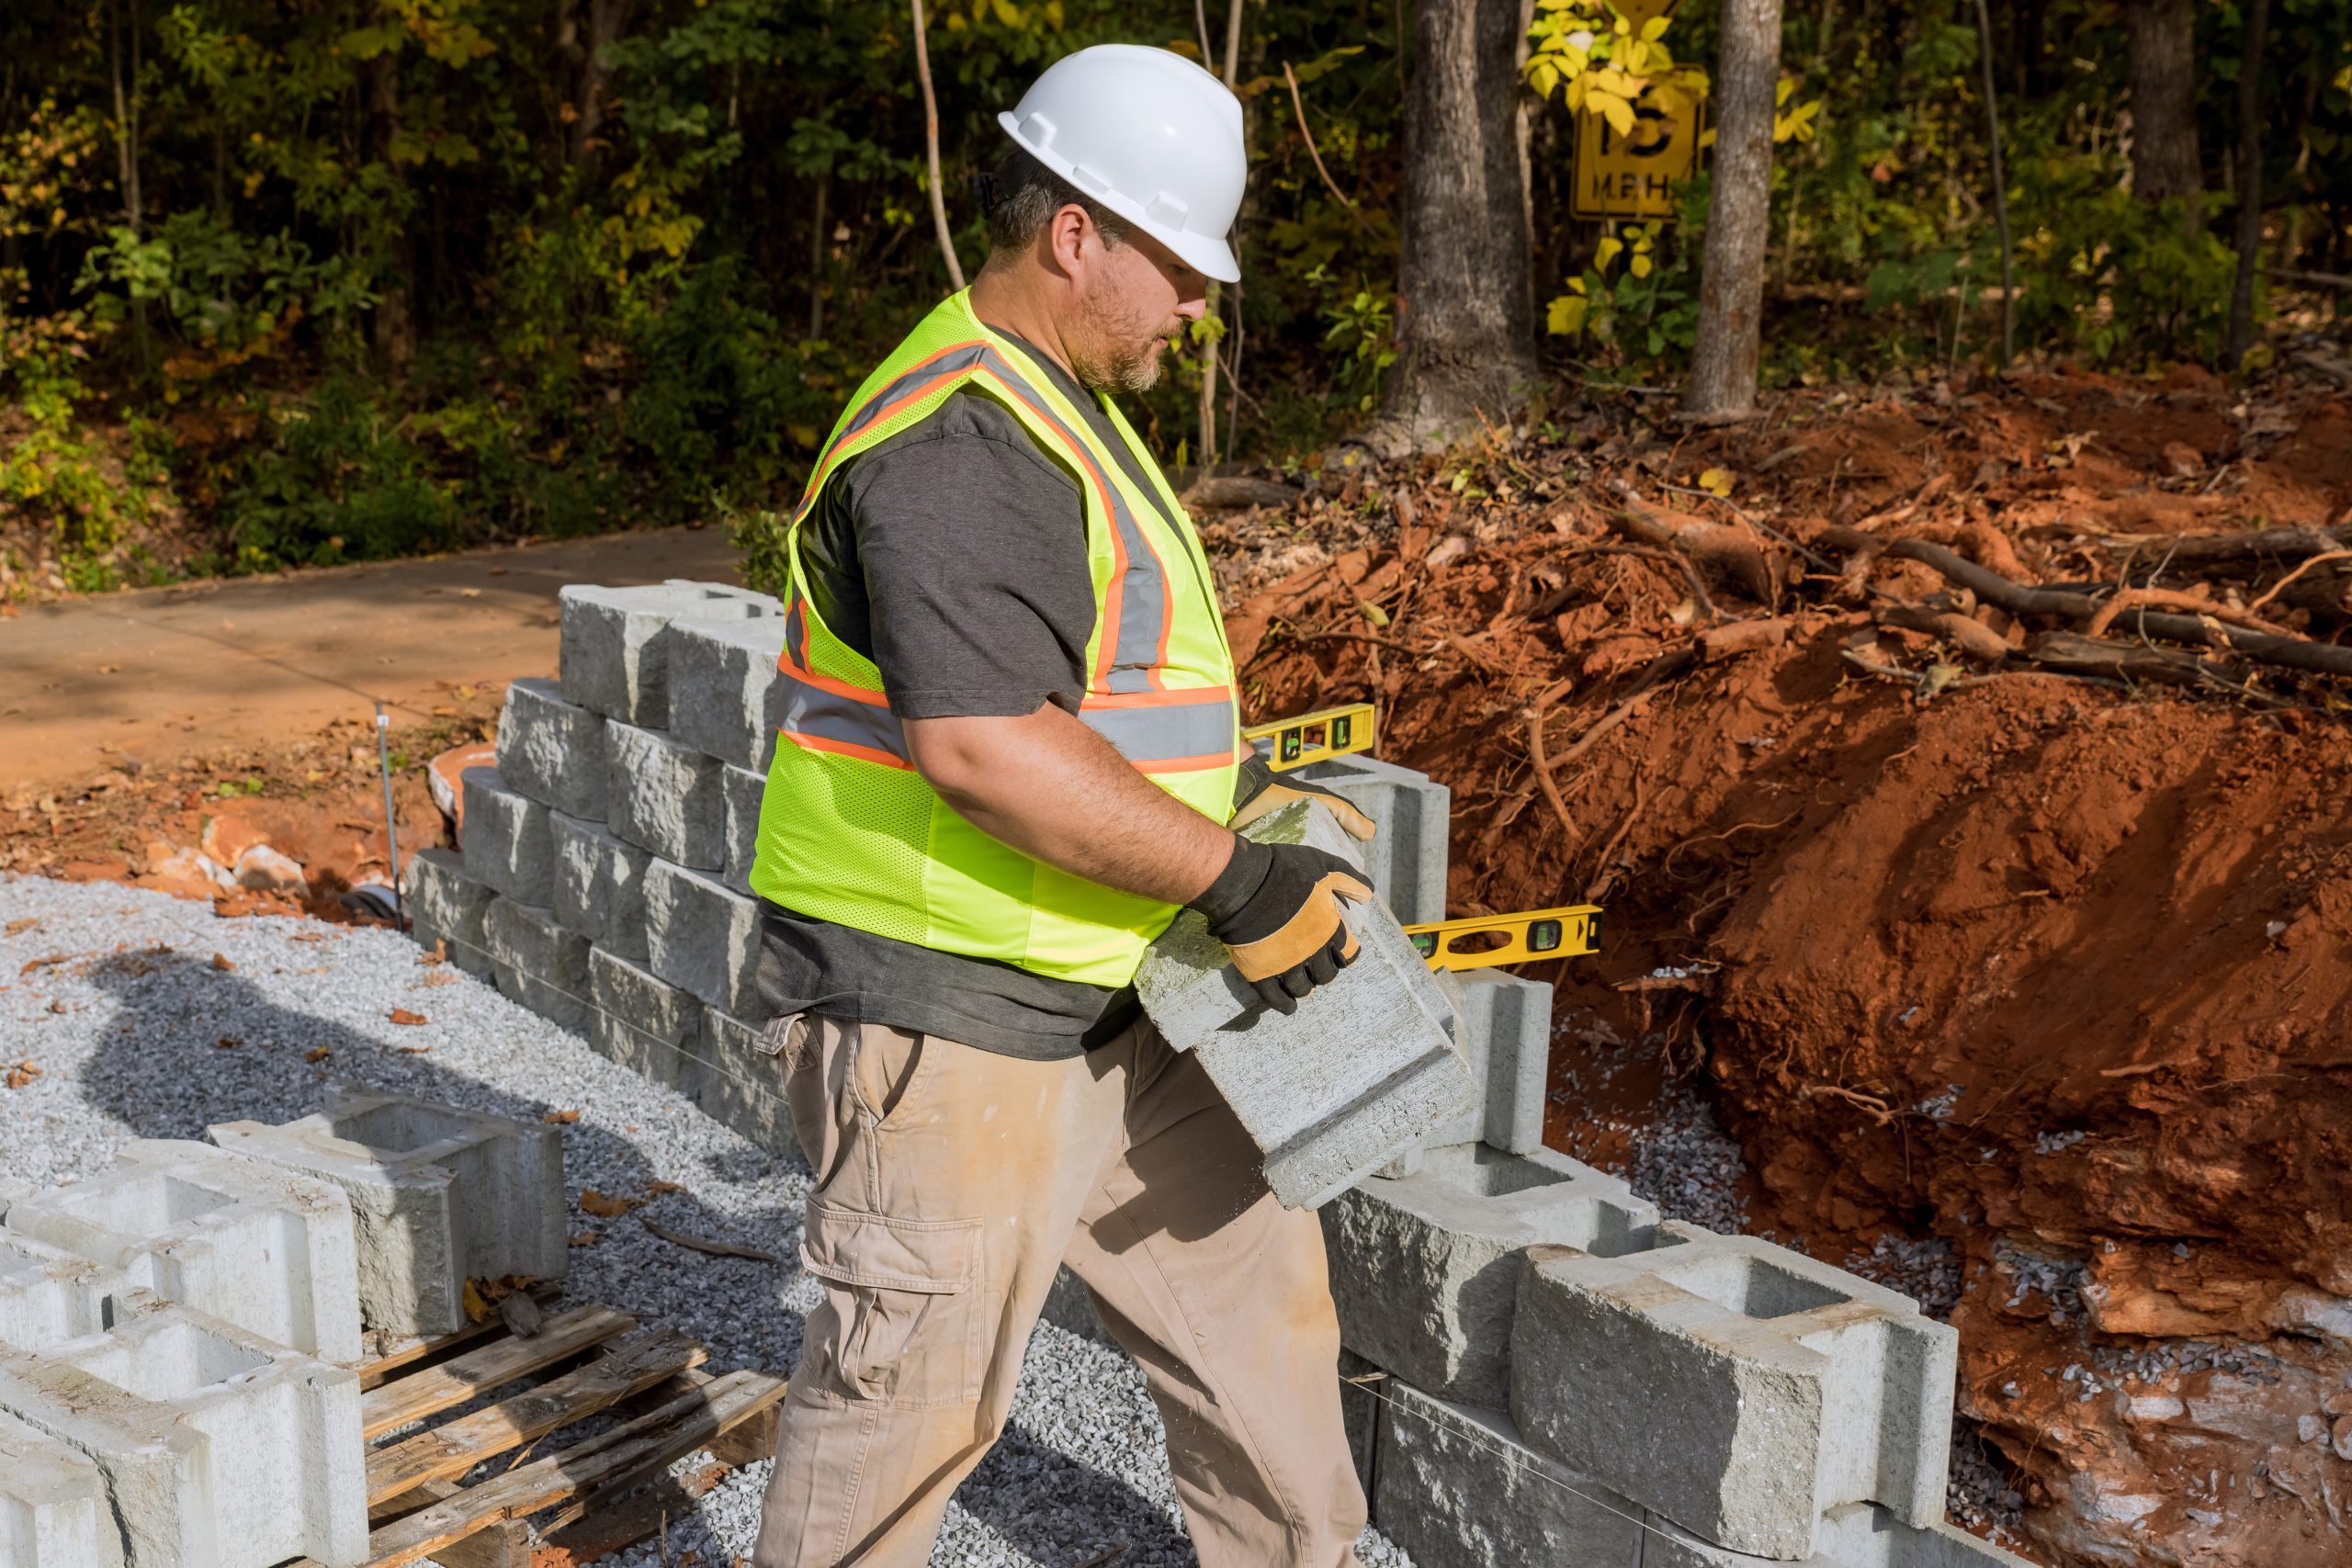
[1210,258]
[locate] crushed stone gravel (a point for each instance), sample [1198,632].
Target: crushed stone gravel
[128,1014]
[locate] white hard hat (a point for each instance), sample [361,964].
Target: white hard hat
[1150,135]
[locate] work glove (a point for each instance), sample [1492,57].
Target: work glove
[1277,907]
[1261,790]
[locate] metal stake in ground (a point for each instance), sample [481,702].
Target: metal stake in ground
[392,833]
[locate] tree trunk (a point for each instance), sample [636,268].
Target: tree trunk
[2163,75]
[394,329]
[2258,38]
[1466,307]
[585,56]
[931,150]
[1731,287]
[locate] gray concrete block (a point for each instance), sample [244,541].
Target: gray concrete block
[438,1196]
[723,692]
[1425,1269]
[267,1249]
[616,641]
[219,1449]
[703,936]
[48,1295]
[645,1023]
[1406,857]
[1363,1070]
[742,1086]
[1855,1535]
[1740,1388]
[552,750]
[743,791]
[53,1507]
[1507,1029]
[446,906]
[505,837]
[538,963]
[665,798]
[1458,1488]
[598,888]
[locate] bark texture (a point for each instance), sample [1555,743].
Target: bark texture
[2163,74]
[2258,42]
[1731,287]
[1466,319]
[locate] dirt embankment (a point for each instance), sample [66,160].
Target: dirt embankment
[2053,972]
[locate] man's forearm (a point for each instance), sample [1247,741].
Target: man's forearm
[1049,786]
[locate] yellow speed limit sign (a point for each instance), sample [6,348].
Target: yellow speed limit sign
[1633,175]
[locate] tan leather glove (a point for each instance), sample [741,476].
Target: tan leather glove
[1277,907]
[1261,790]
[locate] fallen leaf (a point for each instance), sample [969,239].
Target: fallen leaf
[659,1189]
[21,1075]
[317,1053]
[561,1117]
[587,1238]
[45,962]
[521,1315]
[58,1006]
[437,953]
[603,1208]
[310,936]
[476,1308]
[228,1043]
[1715,481]
[19,927]
[223,963]
[417,1050]
[401,1015]
[440,978]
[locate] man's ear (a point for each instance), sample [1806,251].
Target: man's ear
[1069,236]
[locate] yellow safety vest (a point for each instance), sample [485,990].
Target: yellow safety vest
[849,832]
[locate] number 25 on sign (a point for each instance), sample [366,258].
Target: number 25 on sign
[1633,173]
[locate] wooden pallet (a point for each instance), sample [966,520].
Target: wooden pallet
[584,1360]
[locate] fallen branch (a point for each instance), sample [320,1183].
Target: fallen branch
[1718,544]
[2131,661]
[2247,544]
[1971,635]
[703,1244]
[2173,599]
[2276,587]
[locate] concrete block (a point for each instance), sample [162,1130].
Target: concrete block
[446,906]
[703,936]
[1456,1488]
[741,1087]
[645,1023]
[538,963]
[723,688]
[219,1449]
[267,1249]
[663,797]
[598,888]
[1503,1026]
[53,1507]
[1855,1535]
[1406,859]
[506,840]
[743,791]
[616,641]
[438,1196]
[1425,1269]
[1740,1388]
[49,1295]
[552,750]
[1363,1069]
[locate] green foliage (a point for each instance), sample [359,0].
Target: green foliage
[1361,337]
[1637,302]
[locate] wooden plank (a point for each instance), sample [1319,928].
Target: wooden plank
[629,1449]
[394,1355]
[413,1398]
[506,1545]
[607,1530]
[456,1446]
[751,1443]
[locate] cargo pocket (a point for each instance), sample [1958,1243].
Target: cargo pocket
[905,1298]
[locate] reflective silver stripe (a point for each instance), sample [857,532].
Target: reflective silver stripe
[1165,732]
[828,715]
[955,362]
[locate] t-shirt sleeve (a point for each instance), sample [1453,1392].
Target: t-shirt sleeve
[973,549]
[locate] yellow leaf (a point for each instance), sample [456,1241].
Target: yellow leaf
[1606,251]
[1542,76]
[1564,316]
[1641,267]
[1715,481]
[1619,115]
[477,1309]
[1373,613]
[1654,29]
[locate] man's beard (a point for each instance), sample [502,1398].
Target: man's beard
[1125,357]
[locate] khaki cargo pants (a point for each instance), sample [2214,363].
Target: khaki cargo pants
[951,1183]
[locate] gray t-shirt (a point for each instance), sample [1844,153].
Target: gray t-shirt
[954,556]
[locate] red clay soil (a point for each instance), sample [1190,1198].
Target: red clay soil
[2054,972]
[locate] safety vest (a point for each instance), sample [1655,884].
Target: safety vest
[849,832]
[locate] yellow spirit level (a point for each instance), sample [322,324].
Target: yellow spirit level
[1540,933]
[1314,737]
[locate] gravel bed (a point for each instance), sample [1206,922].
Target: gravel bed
[158,1019]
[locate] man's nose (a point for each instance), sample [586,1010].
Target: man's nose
[1193,301]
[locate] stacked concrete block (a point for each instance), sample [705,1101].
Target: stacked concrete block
[219,1449]
[445,906]
[1456,1488]
[53,1507]
[1503,1026]
[742,1085]
[644,1022]
[438,1196]
[703,937]
[743,792]
[1426,1268]
[616,641]
[270,1250]
[549,748]
[598,887]
[537,961]
[1739,1389]
[1406,859]
[48,1294]
[1855,1535]
[665,797]
[723,688]
[1363,1069]
[506,841]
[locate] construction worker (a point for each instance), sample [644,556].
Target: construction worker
[1008,756]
